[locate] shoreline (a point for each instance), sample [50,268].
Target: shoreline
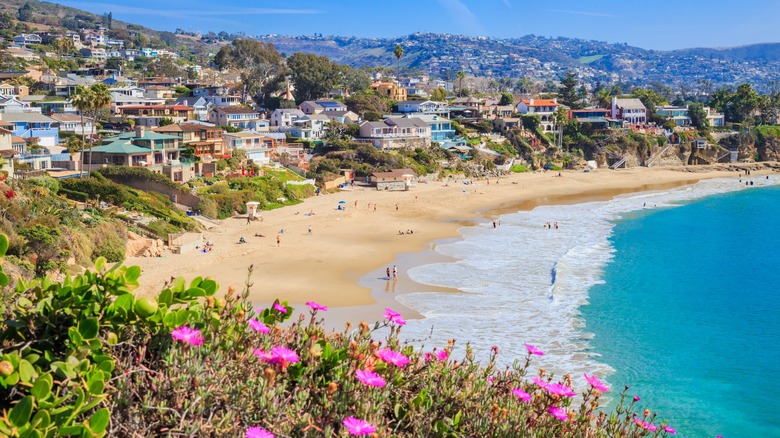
[348,248]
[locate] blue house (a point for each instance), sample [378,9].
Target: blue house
[441,128]
[28,125]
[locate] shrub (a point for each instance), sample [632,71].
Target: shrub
[519,168]
[186,363]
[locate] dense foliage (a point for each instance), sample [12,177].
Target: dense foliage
[87,357]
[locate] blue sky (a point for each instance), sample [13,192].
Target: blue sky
[655,24]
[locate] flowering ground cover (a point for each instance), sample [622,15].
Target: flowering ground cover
[86,357]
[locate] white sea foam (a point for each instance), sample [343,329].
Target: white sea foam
[524,283]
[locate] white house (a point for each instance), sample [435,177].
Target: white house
[321,106]
[544,108]
[396,132]
[424,107]
[73,123]
[27,38]
[629,110]
[285,117]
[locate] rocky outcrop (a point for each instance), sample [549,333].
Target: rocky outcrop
[139,246]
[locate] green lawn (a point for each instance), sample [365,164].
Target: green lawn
[589,59]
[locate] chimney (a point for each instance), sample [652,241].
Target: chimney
[531,102]
[139,131]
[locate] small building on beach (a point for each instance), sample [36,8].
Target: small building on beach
[396,179]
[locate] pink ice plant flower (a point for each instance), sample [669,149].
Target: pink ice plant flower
[558,413]
[277,355]
[392,357]
[358,427]
[559,389]
[370,378]
[316,306]
[258,326]
[442,355]
[279,308]
[539,382]
[596,383]
[670,430]
[394,316]
[522,395]
[533,350]
[645,424]
[282,355]
[187,335]
[257,432]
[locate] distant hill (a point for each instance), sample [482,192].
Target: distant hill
[442,55]
[765,52]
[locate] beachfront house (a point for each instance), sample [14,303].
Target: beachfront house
[205,140]
[544,108]
[715,118]
[630,111]
[678,114]
[396,132]
[284,117]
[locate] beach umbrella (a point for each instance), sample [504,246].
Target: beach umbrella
[342,202]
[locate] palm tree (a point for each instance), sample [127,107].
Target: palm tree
[81,99]
[461,75]
[398,52]
[101,98]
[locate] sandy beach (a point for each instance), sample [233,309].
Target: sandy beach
[344,246]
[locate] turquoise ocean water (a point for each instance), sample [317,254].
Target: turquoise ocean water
[689,314]
[675,293]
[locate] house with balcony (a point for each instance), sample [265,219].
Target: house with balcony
[151,115]
[138,148]
[544,108]
[96,54]
[629,111]
[13,105]
[161,81]
[158,92]
[310,127]
[598,118]
[389,90]
[206,140]
[714,118]
[15,91]
[396,132]
[678,114]
[198,104]
[321,106]
[240,117]
[258,146]
[24,54]
[26,39]
[74,123]
[423,107]
[284,117]
[29,125]
[223,100]
[93,38]
[441,127]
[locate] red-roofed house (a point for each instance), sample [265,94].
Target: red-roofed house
[544,108]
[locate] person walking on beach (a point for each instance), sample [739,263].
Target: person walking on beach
[388,272]
[309,229]
[395,272]
[248,219]
[278,240]
[494,224]
[374,207]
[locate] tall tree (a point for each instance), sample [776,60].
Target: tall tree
[24,13]
[100,98]
[81,100]
[506,98]
[398,51]
[260,66]
[568,91]
[439,94]
[461,75]
[314,76]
